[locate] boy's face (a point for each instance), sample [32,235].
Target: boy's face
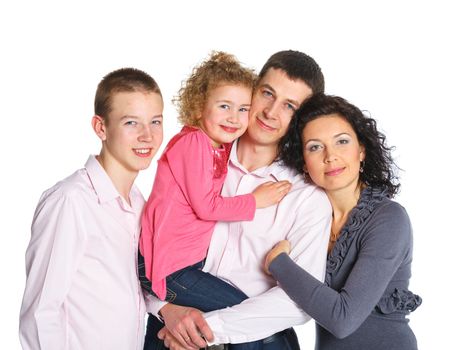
[133,131]
[274,102]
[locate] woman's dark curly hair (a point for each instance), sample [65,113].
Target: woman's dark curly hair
[378,168]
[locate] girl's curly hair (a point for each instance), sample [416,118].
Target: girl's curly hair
[219,69]
[379,169]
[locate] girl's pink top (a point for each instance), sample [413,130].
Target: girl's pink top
[184,205]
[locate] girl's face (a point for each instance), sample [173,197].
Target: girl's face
[332,153]
[224,117]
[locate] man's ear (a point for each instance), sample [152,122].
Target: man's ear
[97,122]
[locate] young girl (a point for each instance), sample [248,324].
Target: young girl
[185,201]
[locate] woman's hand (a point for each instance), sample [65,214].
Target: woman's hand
[281,247]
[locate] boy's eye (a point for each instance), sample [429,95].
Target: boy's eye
[157,122]
[130,122]
[244,109]
[290,106]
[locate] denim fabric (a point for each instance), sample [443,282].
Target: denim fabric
[194,288]
[285,340]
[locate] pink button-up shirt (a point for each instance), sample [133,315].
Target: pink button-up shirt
[82,289]
[185,204]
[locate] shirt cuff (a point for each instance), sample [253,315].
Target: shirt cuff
[153,305]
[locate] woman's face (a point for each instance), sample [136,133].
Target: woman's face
[332,153]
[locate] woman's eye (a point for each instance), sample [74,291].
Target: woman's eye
[343,141]
[313,148]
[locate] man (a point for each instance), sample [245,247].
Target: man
[237,250]
[82,290]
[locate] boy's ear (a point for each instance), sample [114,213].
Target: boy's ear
[99,127]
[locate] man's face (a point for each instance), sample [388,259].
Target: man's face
[133,131]
[274,102]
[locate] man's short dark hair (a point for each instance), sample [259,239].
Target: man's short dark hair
[298,66]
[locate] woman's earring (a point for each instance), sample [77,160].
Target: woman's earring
[362,163]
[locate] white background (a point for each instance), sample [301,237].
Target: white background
[399,60]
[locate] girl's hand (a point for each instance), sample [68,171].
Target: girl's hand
[270,193]
[281,247]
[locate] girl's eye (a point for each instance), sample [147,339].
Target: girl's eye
[244,109]
[224,106]
[157,122]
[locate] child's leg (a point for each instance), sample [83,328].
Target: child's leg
[145,283]
[195,288]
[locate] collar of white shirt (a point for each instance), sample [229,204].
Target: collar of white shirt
[105,189]
[276,169]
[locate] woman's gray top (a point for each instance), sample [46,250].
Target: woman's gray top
[365,298]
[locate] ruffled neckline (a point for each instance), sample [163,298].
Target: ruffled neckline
[368,200]
[399,300]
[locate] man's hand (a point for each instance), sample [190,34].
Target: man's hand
[186,325]
[171,342]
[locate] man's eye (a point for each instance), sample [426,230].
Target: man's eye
[267,93]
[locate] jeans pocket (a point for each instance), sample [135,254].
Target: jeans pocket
[170,295]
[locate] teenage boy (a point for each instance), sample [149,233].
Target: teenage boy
[82,290]
[237,250]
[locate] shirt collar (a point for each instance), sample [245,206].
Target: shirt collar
[105,189]
[276,169]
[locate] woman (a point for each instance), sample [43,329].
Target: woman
[365,298]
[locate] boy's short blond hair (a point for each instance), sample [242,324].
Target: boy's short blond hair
[219,69]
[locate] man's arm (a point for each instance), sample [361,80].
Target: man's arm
[272,311]
[56,245]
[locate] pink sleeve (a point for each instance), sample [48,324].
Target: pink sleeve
[191,163]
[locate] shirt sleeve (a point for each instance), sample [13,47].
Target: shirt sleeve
[191,163]
[273,311]
[56,246]
[382,250]
[153,304]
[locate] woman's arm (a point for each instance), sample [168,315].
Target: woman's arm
[382,250]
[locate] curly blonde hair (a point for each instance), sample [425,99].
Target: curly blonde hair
[219,69]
